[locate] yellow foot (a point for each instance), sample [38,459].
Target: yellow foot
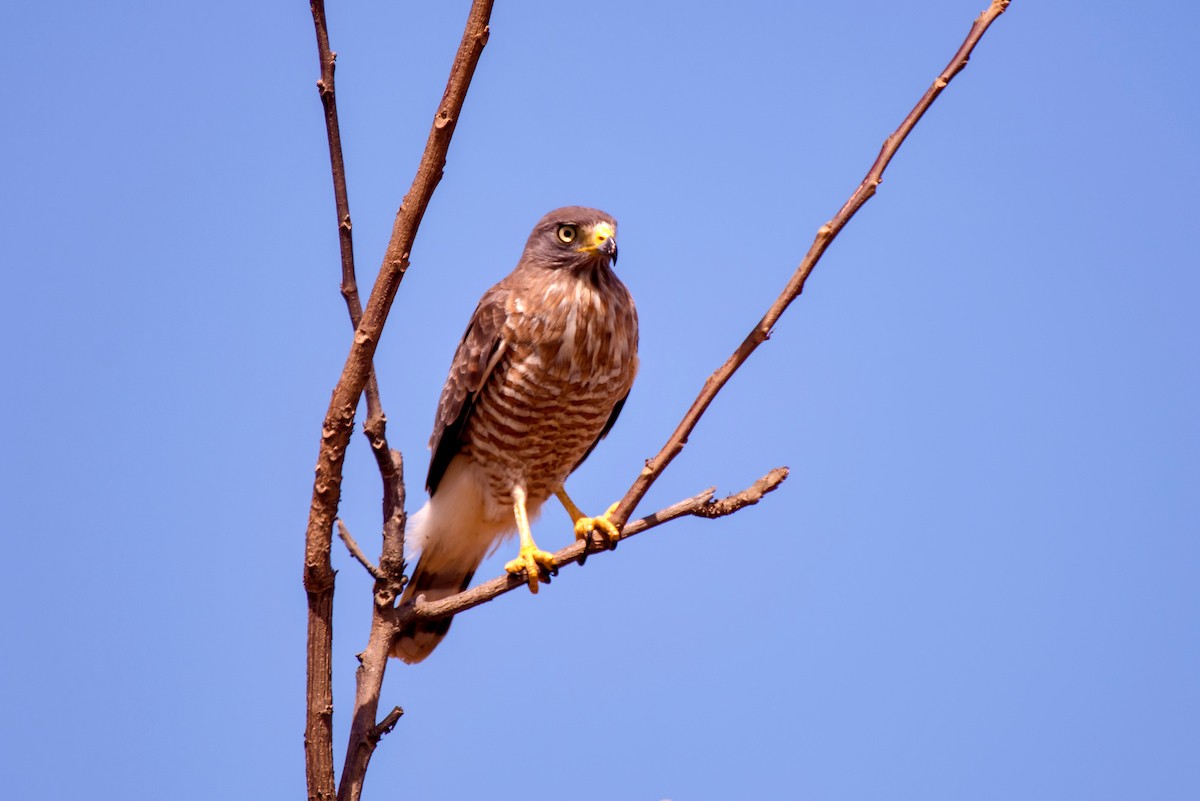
[529,561]
[584,526]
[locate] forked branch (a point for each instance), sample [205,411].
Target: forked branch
[357,374]
[339,419]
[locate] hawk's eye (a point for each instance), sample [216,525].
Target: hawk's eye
[567,234]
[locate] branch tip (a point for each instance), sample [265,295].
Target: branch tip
[386,725]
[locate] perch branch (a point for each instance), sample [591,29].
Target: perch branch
[701,505]
[825,235]
[339,419]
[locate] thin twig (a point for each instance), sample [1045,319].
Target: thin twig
[339,418]
[375,426]
[701,505]
[326,89]
[356,552]
[759,334]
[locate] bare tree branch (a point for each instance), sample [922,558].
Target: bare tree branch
[747,497]
[391,558]
[364,732]
[386,725]
[701,505]
[375,427]
[358,375]
[825,235]
[356,552]
[376,424]
[339,419]
[368,680]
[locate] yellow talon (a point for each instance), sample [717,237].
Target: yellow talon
[529,561]
[530,558]
[584,526]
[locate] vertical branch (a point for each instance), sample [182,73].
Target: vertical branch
[319,574]
[368,679]
[339,418]
[325,87]
[825,235]
[318,726]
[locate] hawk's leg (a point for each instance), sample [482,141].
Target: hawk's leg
[584,525]
[531,559]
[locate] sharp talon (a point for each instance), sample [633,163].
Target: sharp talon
[584,527]
[531,562]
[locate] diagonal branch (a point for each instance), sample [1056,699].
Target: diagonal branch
[825,235]
[356,552]
[701,505]
[386,725]
[339,419]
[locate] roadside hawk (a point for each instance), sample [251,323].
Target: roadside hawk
[538,380]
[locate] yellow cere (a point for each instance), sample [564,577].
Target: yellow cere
[602,232]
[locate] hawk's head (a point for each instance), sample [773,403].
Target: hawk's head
[573,236]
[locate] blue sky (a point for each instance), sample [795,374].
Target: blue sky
[979,581]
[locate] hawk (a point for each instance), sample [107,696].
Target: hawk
[538,380]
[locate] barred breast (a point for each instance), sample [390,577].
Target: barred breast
[563,370]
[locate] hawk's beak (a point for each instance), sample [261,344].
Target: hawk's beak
[604,239]
[609,248]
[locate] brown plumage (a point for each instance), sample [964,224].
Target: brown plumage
[539,378]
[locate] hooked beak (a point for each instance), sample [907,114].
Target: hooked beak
[604,239]
[609,248]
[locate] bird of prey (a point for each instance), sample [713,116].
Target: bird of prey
[538,379]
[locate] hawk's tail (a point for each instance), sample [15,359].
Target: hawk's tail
[451,552]
[417,640]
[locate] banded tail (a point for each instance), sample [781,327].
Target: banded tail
[417,640]
[453,537]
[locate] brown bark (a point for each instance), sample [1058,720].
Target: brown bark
[339,419]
